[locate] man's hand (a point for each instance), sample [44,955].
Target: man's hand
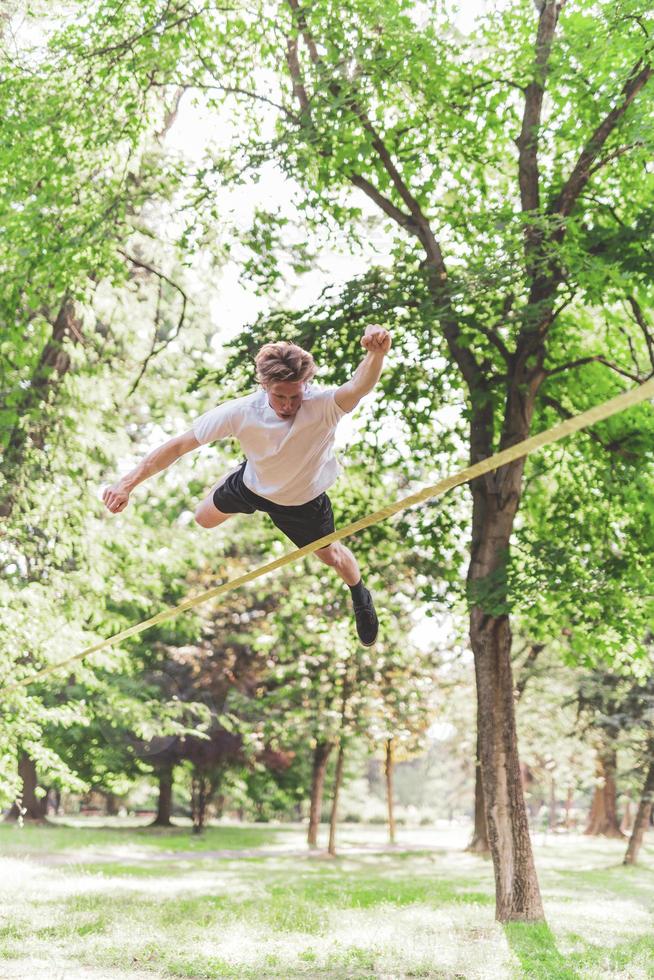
[376,340]
[116,498]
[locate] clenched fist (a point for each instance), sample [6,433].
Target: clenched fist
[116,498]
[376,340]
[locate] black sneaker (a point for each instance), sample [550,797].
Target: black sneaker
[366,619]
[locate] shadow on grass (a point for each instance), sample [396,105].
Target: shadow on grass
[535,947]
[54,837]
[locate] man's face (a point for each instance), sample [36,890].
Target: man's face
[285,397]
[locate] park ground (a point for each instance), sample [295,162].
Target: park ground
[126,902]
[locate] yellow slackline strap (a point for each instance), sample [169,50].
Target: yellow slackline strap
[582,421]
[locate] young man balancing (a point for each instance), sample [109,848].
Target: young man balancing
[286,430]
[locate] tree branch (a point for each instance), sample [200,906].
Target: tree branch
[611,447]
[582,171]
[527,142]
[619,151]
[594,358]
[293,63]
[421,226]
[642,323]
[495,339]
[527,668]
[402,219]
[154,350]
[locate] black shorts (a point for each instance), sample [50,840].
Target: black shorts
[302,524]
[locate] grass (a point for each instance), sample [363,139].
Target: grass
[59,836]
[137,904]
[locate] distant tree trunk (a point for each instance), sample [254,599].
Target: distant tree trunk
[199,800]
[320,758]
[29,806]
[603,817]
[567,806]
[219,805]
[111,803]
[388,769]
[53,801]
[338,779]
[479,842]
[626,823]
[165,800]
[641,823]
[552,810]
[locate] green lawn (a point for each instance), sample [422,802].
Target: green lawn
[128,902]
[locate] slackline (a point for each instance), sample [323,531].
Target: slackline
[509,455]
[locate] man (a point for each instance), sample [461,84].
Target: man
[286,430]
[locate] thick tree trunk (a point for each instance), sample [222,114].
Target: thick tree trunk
[603,818]
[29,806]
[495,503]
[642,820]
[165,801]
[320,758]
[338,779]
[517,891]
[388,770]
[479,842]
[495,499]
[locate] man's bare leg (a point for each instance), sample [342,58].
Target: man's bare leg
[207,514]
[341,559]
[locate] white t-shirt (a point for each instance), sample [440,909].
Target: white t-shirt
[289,461]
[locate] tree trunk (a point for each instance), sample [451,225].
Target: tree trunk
[320,758]
[165,801]
[479,842]
[199,800]
[29,806]
[603,818]
[569,800]
[338,779]
[552,812]
[642,820]
[517,891]
[54,362]
[626,823]
[495,503]
[111,804]
[388,769]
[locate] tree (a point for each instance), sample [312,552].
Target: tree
[512,181]
[643,814]
[509,313]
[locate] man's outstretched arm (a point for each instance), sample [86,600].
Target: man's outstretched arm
[377,343]
[116,497]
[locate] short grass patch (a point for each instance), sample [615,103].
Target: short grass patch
[363,916]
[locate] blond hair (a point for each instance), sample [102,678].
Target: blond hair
[282,361]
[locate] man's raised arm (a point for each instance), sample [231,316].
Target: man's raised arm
[116,497]
[377,343]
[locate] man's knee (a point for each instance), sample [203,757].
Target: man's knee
[201,517]
[331,555]
[208,515]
